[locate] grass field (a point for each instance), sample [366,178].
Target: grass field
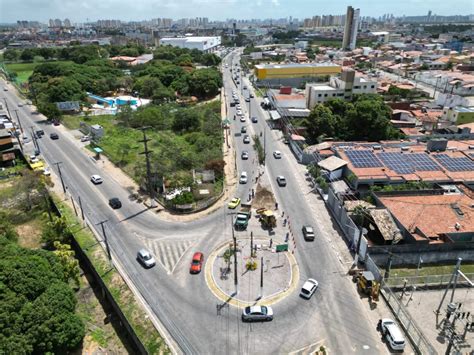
[24,70]
[431,270]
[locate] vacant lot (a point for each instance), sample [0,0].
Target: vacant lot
[24,70]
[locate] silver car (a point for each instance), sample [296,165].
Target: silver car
[257,313]
[145,258]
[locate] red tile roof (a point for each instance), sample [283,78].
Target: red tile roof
[432,215]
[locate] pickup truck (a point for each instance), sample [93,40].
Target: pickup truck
[243,217]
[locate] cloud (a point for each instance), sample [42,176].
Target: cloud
[276,2]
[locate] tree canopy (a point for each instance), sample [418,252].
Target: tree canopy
[366,117]
[36,304]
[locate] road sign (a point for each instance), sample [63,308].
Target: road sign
[281,247]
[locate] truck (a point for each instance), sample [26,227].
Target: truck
[243,216]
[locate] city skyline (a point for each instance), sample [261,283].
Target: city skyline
[215,10]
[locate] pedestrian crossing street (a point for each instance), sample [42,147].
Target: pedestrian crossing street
[167,252]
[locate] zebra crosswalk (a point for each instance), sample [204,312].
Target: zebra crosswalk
[167,252]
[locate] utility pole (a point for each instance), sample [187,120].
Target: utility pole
[8,110]
[235,256]
[80,205]
[60,175]
[105,239]
[148,166]
[18,118]
[264,143]
[251,243]
[388,267]
[456,276]
[261,276]
[35,141]
[455,272]
[19,140]
[356,259]
[74,205]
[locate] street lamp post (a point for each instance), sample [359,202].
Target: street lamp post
[235,256]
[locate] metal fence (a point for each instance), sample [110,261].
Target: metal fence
[428,281]
[421,344]
[349,229]
[351,232]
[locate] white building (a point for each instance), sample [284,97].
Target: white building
[344,87]
[350,28]
[205,44]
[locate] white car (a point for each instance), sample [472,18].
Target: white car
[238,107]
[85,138]
[392,334]
[96,179]
[46,171]
[239,112]
[257,313]
[243,177]
[145,258]
[309,288]
[277,154]
[242,118]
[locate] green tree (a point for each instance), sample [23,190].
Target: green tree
[124,151]
[56,230]
[185,121]
[204,83]
[11,55]
[27,55]
[125,115]
[7,230]
[320,123]
[70,264]
[50,110]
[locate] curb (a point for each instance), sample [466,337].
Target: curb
[268,300]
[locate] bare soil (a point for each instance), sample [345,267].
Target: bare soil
[29,234]
[263,198]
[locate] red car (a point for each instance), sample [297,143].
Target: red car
[196,264]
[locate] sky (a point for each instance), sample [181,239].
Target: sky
[137,10]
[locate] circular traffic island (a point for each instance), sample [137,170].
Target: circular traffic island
[278,275]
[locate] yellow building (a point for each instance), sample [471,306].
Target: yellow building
[288,71]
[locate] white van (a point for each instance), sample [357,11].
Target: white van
[392,334]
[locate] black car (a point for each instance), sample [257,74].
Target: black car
[254,119]
[39,133]
[54,136]
[115,203]
[243,129]
[232,104]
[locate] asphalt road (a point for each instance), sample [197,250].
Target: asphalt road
[334,317]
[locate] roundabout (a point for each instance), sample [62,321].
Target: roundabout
[255,285]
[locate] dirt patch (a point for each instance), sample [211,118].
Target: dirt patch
[29,234]
[263,198]
[101,335]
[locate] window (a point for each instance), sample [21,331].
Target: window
[319,95]
[373,86]
[365,86]
[325,95]
[356,87]
[333,95]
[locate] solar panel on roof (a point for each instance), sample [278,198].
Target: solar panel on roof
[455,164]
[408,163]
[363,159]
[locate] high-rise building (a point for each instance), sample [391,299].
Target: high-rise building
[350,28]
[67,23]
[428,18]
